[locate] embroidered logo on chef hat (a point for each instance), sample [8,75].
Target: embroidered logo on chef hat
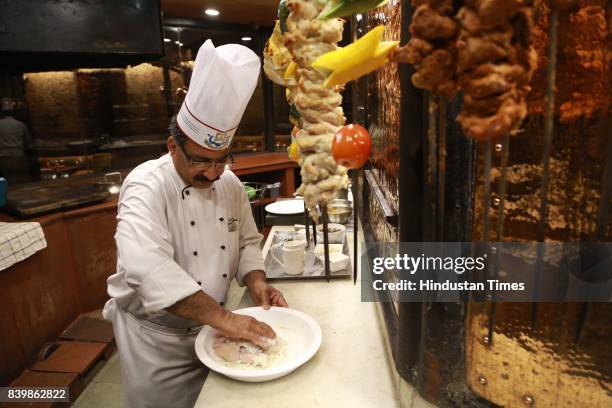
[223,81]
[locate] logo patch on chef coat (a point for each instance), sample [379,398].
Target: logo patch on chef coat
[232,224]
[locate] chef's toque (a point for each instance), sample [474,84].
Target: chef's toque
[222,84]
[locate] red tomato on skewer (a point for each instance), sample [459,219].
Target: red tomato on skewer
[351,146]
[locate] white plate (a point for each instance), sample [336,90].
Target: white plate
[286,207]
[305,341]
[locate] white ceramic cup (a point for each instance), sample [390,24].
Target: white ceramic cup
[292,259]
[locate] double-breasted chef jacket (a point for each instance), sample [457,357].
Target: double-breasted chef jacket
[172,241]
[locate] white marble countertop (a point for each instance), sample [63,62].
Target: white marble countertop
[351,369]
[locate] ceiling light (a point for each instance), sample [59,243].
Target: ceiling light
[167,40]
[212,12]
[180,44]
[246,38]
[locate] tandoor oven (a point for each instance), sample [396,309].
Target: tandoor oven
[551,182]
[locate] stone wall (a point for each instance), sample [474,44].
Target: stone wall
[89,102]
[52,99]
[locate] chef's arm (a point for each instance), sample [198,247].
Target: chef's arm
[250,263]
[202,308]
[262,293]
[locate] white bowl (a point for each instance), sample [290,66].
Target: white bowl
[304,343]
[336,237]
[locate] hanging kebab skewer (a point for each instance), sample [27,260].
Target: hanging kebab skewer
[307,38]
[485,50]
[314,74]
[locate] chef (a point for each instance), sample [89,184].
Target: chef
[185,230]
[14,139]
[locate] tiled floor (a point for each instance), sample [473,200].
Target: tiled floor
[105,390]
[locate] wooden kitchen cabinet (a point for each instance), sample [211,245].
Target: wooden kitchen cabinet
[42,295]
[91,232]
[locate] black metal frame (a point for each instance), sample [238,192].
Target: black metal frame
[441,211]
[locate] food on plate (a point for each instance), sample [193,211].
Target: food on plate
[241,353]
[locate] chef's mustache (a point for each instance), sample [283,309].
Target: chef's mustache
[201,177]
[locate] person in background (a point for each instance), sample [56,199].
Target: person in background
[14,139]
[185,230]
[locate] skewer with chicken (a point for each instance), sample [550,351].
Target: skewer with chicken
[307,38]
[484,49]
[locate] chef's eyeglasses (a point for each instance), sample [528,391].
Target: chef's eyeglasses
[206,164]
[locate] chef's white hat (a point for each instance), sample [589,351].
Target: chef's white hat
[222,84]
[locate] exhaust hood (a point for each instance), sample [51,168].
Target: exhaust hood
[44,35]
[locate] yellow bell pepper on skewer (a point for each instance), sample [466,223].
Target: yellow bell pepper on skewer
[357,59]
[293,152]
[290,70]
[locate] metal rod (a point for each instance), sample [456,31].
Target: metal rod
[583,315]
[355,222]
[314,231]
[606,183]
[501,192]
[486,202]
[549,127]
[440,224]
[326,241]
[307,225]
[602,217]
[432,166]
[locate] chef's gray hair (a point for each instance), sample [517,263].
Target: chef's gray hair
[176,132]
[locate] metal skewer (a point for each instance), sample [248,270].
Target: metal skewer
[602,215]
[355,221]
[307,226]
[505,145]
[326,241]
[549,128]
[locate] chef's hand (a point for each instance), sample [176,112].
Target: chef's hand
[247,328]
[202,308]
[263,294]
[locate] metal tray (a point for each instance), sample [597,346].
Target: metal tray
[313,268]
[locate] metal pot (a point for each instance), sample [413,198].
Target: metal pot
[339,211]
[342,194]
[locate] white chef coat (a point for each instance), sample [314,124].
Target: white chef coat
[172,241]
